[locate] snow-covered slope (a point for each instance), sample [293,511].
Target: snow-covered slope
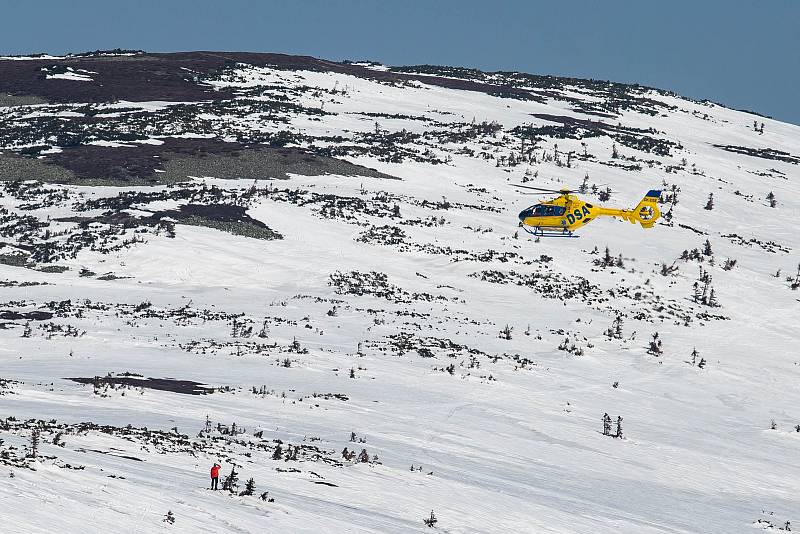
[394,306]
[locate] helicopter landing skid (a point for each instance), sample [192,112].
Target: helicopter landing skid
[538,231]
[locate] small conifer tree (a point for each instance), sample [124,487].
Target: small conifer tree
[231,482]
[772,201]
[430,521]
[505,333]
[249,487]
[34,443]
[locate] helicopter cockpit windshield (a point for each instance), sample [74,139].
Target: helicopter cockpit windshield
[544,210]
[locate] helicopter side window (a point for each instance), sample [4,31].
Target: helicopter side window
[548,211]
[558,211]
[538,211]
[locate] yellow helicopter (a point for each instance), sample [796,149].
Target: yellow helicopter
[561,216]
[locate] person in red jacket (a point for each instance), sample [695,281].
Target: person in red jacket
[215,476]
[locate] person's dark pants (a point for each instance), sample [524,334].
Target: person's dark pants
[214,482]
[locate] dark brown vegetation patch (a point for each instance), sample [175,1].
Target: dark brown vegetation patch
[225,217]
[186,387]
[177,77]
[125,165]
[174,161]
[765,153]
[9,315]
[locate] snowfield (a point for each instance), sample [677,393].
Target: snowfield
[410,318]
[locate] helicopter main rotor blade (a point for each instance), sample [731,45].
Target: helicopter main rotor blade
[544,190]
[535,194]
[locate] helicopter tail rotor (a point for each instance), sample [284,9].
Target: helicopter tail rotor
[646,212]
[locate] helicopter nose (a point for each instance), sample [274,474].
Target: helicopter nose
[524,214]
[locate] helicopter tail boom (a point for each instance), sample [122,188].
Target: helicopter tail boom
[645,213]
